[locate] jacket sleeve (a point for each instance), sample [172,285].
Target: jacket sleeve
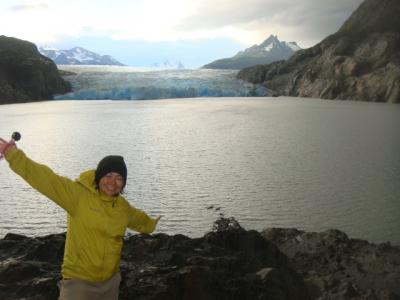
[59,189]
[140,221]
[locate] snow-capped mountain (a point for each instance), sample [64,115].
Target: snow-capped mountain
[168,65]
[269,51]
[78,56]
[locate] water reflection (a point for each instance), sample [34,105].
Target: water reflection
[309,164]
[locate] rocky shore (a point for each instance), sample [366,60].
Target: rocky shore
[26,75]
[229,262]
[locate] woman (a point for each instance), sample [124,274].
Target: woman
[97,219]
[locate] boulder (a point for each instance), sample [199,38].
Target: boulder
[335,266]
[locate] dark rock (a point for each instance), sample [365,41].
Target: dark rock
[227,263]
[25,74]
[335,266]
[359,62]
[221,265]
[15,237]
[30,267]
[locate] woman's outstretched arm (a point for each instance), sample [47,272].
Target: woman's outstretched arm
[59,189]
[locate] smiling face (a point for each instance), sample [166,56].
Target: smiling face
[111,184]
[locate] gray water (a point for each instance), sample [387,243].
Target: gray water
[269,162]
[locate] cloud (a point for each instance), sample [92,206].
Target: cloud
[28,7]
[306,20]
[211,13]
[37,21]
[246,21]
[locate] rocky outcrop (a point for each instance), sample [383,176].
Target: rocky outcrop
[272,49]
[226,263]
[335,266]
[25,74]
[359,62]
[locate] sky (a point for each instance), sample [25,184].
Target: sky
[195,32]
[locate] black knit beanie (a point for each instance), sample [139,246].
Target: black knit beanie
[111,163]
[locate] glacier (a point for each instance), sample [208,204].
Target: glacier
[129,83]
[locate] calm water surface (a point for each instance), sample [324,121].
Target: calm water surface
[281,162]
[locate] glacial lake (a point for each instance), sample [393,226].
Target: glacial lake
[269,162]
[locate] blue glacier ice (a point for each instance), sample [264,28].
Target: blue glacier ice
[128,83]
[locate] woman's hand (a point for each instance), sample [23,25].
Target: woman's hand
[5,146]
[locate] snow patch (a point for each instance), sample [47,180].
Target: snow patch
[269,47]
[292,45]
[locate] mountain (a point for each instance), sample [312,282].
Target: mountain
[25,74]
[361,61]
[269,51]
[78,56]
[169,65]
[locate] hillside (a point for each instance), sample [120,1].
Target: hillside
[272,49]
[359,62]
[25,74]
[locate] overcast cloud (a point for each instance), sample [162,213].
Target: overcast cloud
[194,31]
[246,21]
[307,21]
[29,6]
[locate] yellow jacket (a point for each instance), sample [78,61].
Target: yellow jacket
[96,223]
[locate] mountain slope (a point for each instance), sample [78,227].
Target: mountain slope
[78,56]
[25,74]
[269,51]
[360,62]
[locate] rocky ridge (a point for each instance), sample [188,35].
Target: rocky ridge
[272,49]
[26,75]
[359,62]
[78,56]
[227,263]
